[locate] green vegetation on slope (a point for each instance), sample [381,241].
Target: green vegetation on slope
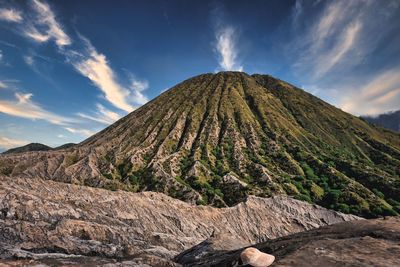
[216,138]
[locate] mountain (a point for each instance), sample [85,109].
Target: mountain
[65,146]
[48,223]
[36,147]
[28,148]
[217,138]
[389,120]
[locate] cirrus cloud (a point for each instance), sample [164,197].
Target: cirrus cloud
[52,29]
[379,95]
[102,115]
[23,106]
[10,15]
[7,143]
[80,131]
[3,85]
[87,61]
[95,67]
[337,53]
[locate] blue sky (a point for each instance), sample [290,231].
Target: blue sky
[70,68]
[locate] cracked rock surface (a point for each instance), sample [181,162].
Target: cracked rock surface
[45,221]
[355,243]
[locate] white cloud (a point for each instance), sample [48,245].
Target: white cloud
[29,60]
[139,85]
[331,53]
[1,55]
[327,23]
[86,61]
[10,15]
[332,41]
[296,12]
[137,88]
[103,115]
[24,107]
[3,85]
[7,143]
[46,19]
[109,115]
[34,34]
[96,68]
[83,132]
[326,61]
[8,44]
[381,94]
[227,50]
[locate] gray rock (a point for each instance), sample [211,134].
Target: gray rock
[46,219]
[355,243]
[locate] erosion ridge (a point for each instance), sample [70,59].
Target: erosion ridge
[216,138]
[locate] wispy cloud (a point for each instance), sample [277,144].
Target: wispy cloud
[332,53]
[326,61]
[8,44]
[29,60]
[103,115]
[46,20]
[137,87]
[11,15]
[297,10]
[379,95]
[3,85]
[327,23]
[24,107]
[35,35]
[96,68]
[226,49]
[89,62]
[7,143]
[80,131]
[326,43]
[43,27]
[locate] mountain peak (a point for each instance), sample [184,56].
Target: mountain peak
[232,72]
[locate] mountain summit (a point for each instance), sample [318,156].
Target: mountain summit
[217,138]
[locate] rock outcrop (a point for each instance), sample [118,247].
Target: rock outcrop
[356,243]
[53,223]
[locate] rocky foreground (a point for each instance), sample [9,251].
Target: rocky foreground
[51,223]
[355,243]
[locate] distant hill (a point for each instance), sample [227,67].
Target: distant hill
[28,148]
[217,138]
[390,120]
[65,146]
[36,147]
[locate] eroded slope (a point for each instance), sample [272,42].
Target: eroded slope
[217,138]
